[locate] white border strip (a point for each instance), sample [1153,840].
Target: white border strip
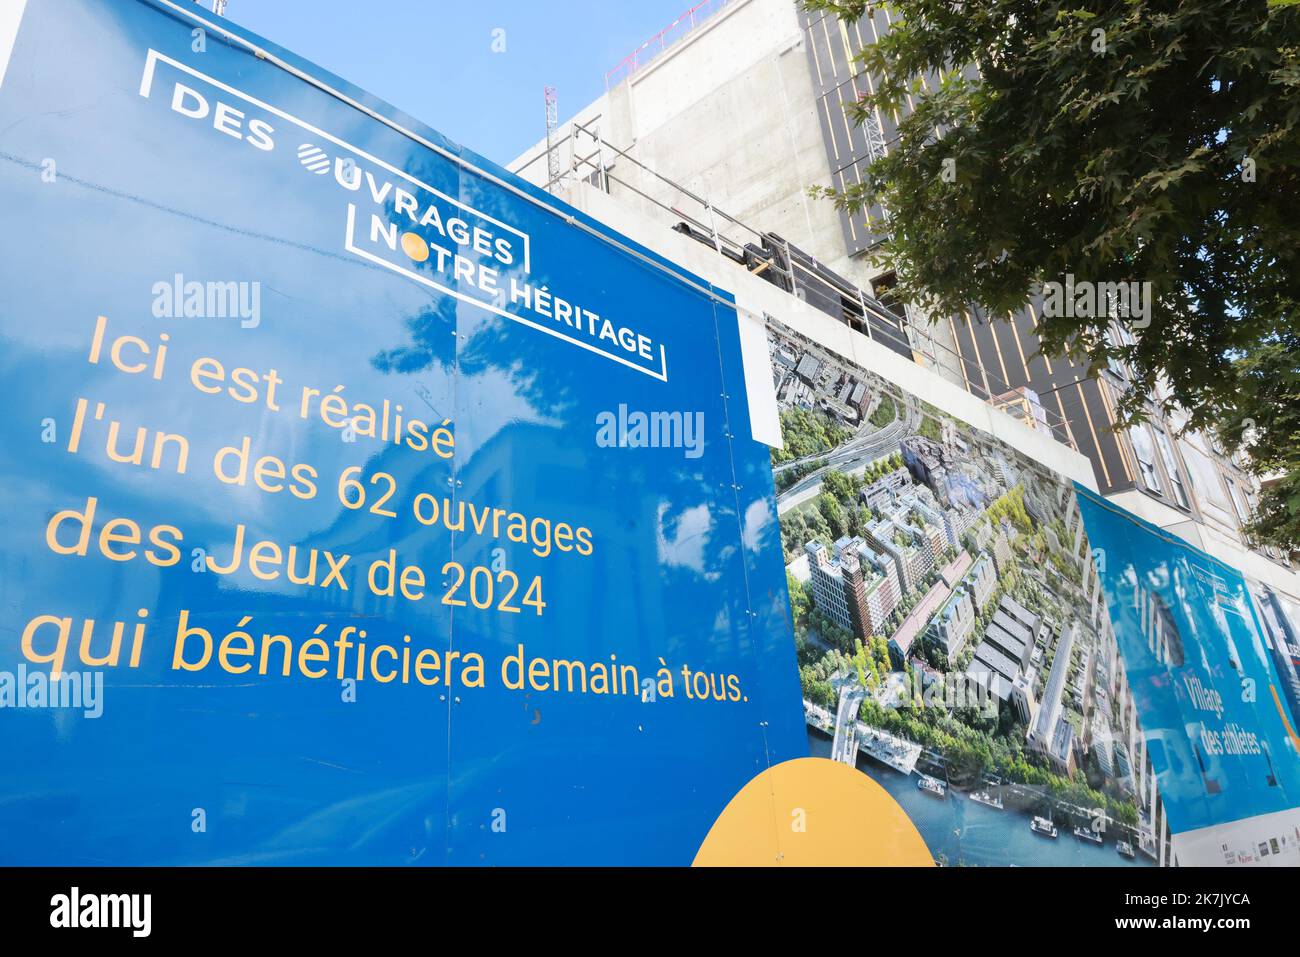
[760,388]
[11,14]
[757,298]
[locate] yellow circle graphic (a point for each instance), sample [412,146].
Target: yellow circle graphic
[813,812]
[415,247]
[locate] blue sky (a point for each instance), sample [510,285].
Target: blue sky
[434,59]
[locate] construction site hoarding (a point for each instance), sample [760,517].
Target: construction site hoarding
[365,505]
[369,505]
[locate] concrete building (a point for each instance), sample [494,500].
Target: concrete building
[719,135]
[957,521]
[880,495]
[1020,613]
[994,670]
[913,548]
[1001,551]
[1001,661]
[1103,746]
[900,548]
[927,460]
[828,592]
[1022,697]
[808,368]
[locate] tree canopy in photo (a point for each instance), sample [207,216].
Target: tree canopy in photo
[1113,141]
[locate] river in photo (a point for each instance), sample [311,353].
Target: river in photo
[970,834]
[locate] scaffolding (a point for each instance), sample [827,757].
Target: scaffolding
[552,154]
[901,329]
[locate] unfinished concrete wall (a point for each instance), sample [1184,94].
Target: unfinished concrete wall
[729,113]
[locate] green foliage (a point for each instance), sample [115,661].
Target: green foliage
[1011,505]
[817,689]
[1264,418]
[1141,141]
[930,428]
[974,746]
[800,526]
[833,513]
[882,467]
[788,477]
[799,601]
[841,485]
[807,432]
[884,413]
[840,639]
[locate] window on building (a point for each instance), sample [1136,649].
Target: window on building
[1205,479]
[1239,503]
[1119,338]
[1144,450]
[1171,469]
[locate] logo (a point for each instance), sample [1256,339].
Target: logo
[393,219]
[75,909]
[1079,298]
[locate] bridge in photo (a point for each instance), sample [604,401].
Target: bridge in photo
[845,748]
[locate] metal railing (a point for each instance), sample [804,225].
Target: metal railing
[662,40]
[785,265]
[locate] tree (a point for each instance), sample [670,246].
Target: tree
[806,432]
[1142,141]
[799,603]
[842,485]
[829,507]
[884,413]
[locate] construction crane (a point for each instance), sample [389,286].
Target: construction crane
[552,152]
[875,135]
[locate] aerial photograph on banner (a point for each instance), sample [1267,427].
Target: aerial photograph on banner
[951,644]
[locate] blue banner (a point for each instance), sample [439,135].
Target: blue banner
[365,504]
[1217,730]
